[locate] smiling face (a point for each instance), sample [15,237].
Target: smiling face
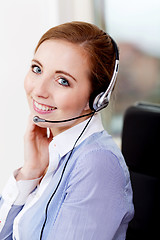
[57,84]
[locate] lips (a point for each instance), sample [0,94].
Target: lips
[41,108]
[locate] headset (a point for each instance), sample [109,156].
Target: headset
[101,101]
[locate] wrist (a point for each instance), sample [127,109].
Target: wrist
[28,174]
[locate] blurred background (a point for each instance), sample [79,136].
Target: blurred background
[135,26]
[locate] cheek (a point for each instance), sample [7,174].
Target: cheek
[74,100]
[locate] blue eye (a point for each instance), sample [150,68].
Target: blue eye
[63,81]
[36,69]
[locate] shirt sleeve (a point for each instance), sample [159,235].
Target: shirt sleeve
[95,202]
[14,196]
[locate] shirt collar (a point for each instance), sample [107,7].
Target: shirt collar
[64,142]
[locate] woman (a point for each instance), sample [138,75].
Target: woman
[74,183]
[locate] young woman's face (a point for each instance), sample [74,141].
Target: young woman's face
[57,84]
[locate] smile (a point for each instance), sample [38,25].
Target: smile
[41,108]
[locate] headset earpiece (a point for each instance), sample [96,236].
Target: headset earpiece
[97,104]
[102,99]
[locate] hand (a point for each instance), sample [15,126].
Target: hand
[36,153]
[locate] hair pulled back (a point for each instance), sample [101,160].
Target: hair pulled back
[98,46]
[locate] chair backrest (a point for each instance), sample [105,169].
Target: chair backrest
[141,150]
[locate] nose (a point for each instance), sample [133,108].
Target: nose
[41,89]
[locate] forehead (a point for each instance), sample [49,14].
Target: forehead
[62,50]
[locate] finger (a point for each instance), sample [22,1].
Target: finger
[30,126]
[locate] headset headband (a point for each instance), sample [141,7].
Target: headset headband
[102,100]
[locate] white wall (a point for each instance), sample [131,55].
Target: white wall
[22,22]
[76,10]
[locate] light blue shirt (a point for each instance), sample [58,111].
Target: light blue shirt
[93,200]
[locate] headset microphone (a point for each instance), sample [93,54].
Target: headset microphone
[37,119]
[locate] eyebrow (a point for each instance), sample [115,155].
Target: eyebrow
[65,73]
[34,60]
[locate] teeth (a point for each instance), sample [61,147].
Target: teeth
[42,107]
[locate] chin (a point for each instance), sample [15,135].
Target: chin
[41,124]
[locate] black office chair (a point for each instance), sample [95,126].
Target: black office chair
[141,150]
